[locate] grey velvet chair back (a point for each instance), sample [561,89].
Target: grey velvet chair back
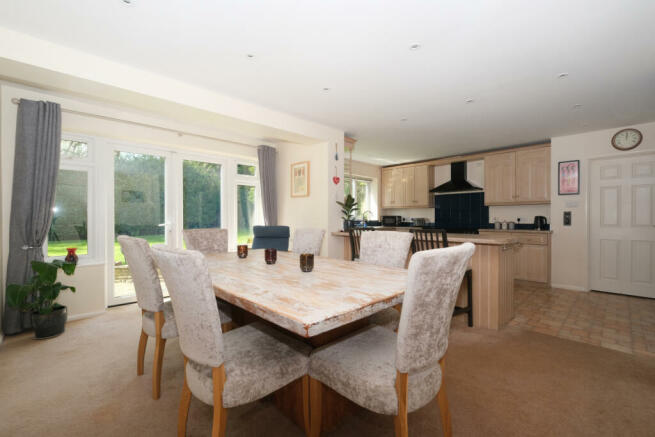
[194,303]
[144,273]
[433,282]
[207,240]
[385,248]
[308,240]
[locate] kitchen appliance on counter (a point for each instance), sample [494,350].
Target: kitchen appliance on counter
[391,220]
[419,221]
[540,223]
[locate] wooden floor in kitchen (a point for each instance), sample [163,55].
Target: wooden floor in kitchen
[618,322]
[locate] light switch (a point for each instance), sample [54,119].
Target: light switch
[567,218]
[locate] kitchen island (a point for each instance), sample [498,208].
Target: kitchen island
[493,277]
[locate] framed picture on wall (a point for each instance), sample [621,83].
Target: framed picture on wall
[300,179]
[568,177]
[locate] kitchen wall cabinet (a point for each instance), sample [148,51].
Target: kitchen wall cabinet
[500,178]
[407,187]
[532,254]
[518,177]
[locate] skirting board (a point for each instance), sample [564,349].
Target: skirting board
[85,315]
[569,287]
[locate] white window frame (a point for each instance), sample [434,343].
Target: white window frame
[88,164]
[253,181]
[369,197]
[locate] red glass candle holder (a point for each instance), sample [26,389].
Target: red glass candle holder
[71,257]
[242,250]
[306,262]
[270,255]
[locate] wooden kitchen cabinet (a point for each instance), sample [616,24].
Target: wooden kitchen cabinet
[500,178]
[532,254]
[407,187]
[518,177]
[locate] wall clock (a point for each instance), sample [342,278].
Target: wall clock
[627,139]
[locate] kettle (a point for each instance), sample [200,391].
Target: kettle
[540,222]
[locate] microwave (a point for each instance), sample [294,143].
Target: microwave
[391,220]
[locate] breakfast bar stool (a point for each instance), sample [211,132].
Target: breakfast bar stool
[435,239]
[157,317]
[231,369]
[397,374]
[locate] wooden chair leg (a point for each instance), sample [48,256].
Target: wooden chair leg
[305,404]
[400,420]
[185,401]
[140,357]
[220,413]
[442,401]
[316,405]
[160,345]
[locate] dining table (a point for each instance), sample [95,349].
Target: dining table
[334,299]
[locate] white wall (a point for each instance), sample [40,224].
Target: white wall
[570,252]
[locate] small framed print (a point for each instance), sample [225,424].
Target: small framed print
[300,179]
[568,177]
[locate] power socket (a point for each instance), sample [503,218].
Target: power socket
[567,218]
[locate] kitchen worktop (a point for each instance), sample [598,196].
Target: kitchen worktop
[515,230]
[462,238]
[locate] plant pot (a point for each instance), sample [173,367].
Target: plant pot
[347,224]
[50,325]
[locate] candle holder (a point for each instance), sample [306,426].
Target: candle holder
[306,262]
[270,255]
[242,250]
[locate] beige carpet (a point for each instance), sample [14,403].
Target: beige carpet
[508,383]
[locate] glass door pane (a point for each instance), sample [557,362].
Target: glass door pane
[245,213]
[201,185]
[139,211]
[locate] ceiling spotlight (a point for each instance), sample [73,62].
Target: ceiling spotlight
[562,75]
[403,119]
[250,55]
[577,106]
[415,46]
[470,100]
[326,89]
[129,2]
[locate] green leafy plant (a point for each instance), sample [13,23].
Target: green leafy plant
[348,207]
[40,294]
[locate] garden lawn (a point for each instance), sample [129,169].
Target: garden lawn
[58,248]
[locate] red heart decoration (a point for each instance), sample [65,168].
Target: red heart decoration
[336,180]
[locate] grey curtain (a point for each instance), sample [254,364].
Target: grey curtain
[266,155]
[38,138]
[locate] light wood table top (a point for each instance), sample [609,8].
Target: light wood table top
[334,294]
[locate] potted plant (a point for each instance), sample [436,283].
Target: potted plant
[348,209]
[39,296]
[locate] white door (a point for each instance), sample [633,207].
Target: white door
[142,207]
[622,234]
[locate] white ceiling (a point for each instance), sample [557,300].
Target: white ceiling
[505,55]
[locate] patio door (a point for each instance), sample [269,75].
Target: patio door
[141,208]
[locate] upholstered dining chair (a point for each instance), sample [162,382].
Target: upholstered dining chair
[231,369]
[157,317]
[270,237]
[206,240]
[426,239]
[397,374]
[389,249]
[308,240]
[354,235]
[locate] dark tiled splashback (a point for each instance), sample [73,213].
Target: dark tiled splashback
[461,211]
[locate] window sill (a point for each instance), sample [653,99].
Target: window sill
[82,262]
